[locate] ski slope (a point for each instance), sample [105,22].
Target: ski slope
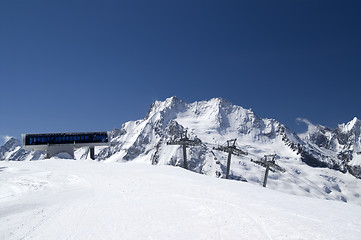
[67,199]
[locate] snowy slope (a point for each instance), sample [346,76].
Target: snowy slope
[66,199]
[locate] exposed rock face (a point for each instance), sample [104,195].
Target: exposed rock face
[12,151]
[338,148]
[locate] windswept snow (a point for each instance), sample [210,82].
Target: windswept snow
[66,199]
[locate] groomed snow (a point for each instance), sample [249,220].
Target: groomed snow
[67,199]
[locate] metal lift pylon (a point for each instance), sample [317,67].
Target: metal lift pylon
[230,148]
[185,142]
[270,165]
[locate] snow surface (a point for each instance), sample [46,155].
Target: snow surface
[65,199]
[356,160]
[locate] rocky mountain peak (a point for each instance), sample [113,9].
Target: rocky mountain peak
[163,107]
[353,125]
[11,145]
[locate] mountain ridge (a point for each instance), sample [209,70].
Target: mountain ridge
[310,145]
[213,122]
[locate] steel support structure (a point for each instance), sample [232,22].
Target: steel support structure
[92,155]
[265,176]
[230,148]
[185,142]
[270,165]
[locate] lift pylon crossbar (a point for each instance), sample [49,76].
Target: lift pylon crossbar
[187,142]
[231,149]
[263,164]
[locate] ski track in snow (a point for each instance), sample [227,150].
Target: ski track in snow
[65,199]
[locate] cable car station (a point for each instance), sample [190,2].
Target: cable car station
[54,143]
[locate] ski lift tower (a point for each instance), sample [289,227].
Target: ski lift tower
[230,148]
[270,165]
[185,142]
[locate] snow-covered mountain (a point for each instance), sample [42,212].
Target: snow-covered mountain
[13,151]
[214,122]
[342,144]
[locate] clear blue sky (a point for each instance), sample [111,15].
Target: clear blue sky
[93,65]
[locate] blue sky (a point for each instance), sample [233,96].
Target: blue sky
[93,65]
